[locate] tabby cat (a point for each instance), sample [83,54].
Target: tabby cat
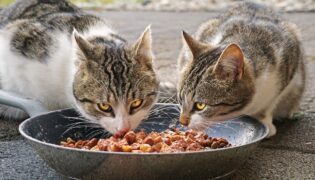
[57,54]
[246,61]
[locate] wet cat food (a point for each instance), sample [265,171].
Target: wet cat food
[171,140]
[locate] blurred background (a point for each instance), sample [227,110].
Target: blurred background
[183,5]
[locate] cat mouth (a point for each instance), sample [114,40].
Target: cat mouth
[121,133]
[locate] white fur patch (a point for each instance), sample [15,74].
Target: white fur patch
[49,82]
[216,39]
[122,119]
[197,122]
[98,30]
[266,91]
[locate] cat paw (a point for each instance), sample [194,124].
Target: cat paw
[272,130]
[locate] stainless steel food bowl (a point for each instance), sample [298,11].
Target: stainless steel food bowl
[45,131]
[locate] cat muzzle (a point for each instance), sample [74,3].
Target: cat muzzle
[121,132]
[184,120]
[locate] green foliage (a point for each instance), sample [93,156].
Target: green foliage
[93,1]
[5,2]
[298,116]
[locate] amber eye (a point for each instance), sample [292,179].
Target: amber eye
[199,106]
[136,103]
[104,107]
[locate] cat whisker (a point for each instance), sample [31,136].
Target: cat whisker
[80,119]
[68,130]
[162,110]
[225,126]
[94,133]
[167,97]
[76,118]
[77,126]
[157,123]
[158,112]
[104,135]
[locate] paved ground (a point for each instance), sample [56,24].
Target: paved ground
[288,155]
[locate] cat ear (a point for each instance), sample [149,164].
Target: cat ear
[195,46]
[85,46]
[230,65]
[143,48]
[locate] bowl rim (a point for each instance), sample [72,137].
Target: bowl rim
[55,146]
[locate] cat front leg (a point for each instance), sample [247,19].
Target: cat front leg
[266,119]
[290,97]
[272,128]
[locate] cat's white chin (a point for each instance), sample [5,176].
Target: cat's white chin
[198,122]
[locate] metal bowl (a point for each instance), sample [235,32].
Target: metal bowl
[44,130]
[44,133]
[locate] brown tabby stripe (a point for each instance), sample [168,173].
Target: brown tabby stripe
[108,58]
[117,68]
[236,108]
[83,100]
[198,69]
[29,9]
[116,36]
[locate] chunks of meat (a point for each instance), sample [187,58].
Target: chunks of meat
[171,140]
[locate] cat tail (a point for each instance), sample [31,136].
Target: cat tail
[11,113]
[167,92]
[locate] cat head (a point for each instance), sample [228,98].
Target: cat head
[115,84]
[215,83]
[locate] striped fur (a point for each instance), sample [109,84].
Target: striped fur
[116,74]
[57,54]
[246,61]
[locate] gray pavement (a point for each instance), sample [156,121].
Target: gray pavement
[288,155]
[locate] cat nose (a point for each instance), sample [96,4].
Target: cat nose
[184,120]
[121,132]
[124,130]
[125,126]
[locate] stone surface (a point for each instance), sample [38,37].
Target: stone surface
[8,130]
[200,5]
[19,161]
[294,135]
[277,164]
[288,155]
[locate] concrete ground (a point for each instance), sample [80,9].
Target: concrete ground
[288,155]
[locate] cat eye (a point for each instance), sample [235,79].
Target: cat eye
[136,103]
[104,107]
[199,106]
